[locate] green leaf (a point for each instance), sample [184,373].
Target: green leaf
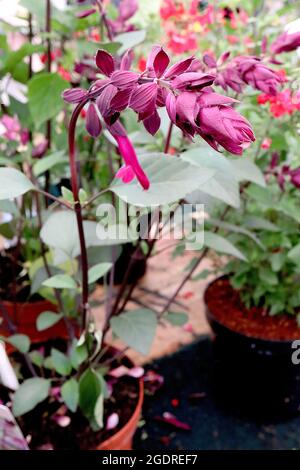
[13,183]
[97,271]
[177,318]
[36,358]
[246,170]
[236,229]
[222,245]
[294,254]
[277,261]
[60,362]
[20,342]
[266,275]
[70,394]
[223,185]
[170,180]
[46,163]
[261,195]
[202,275]
[289,207]
[111,47]
[14,58]
[258,223]
[66,245]
[39,276]
[67,194]
[99,410]
[136,328]
[31,393]
[47,319]
[44,94]
[78,354]
[60,281]
[83,197]
[90,388]
[130,39]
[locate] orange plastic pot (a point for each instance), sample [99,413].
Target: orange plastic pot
[122,440]
[24,316]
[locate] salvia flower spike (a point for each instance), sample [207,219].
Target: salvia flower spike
[186,92]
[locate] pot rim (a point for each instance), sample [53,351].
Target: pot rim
[210,316]
[27,302]
[134,417]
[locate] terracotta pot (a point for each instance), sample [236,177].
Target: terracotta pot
[24,316]
[122,440]
[253,376]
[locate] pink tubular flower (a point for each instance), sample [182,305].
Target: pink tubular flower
[132,167]
[286,42]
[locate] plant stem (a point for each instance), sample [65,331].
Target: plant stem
[191,271]
[78,211]
[168,139]
[57,293]
[104,19]
[49,63]
[54,198]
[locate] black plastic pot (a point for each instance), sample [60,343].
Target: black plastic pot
[138,265]
[253,377]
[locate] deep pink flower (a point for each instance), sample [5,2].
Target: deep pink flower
[39,150]
[127,9]
[92,122]
[74,95]
[295,177]
[132,167]
[184,89]
[253,72]
[220,124]
[105,62]
[286,42]
[193,81]
[248,70]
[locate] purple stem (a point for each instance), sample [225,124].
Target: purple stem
[78,210]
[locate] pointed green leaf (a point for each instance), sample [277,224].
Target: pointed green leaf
[90,388]
[60,362]
[136,328]
[60,281]
[47,319]
[30,393]
[177,318]
[170,178]
[44,96]
[13,183]
[20,342]
[97,271]
[70,394]
[222,245]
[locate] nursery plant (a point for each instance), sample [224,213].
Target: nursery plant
[74,388]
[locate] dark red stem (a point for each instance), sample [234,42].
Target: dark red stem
[78,210]
[49,64]
[168,139]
